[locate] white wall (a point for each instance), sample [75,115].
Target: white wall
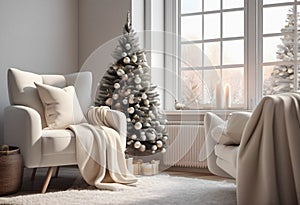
[39,36]
[100,24]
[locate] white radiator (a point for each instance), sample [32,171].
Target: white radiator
[186,146]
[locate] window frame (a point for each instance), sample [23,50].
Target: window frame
[250,94]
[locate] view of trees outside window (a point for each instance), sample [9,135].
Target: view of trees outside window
[280,68]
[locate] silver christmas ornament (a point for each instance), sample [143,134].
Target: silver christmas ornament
[163,150]
[124,54]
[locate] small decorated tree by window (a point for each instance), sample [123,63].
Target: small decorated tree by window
[282,76]
[126,86]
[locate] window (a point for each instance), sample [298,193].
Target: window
[212,51]
[241,44]
[279,45]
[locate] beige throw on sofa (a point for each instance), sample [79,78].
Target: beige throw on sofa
[269,153]
[100,152]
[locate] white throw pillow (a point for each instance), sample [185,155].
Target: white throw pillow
[236,124]
[218,134]
[61,106]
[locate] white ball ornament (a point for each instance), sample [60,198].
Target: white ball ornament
[120,72]
[115,96]
[125,101]
[144,96]
[128,120]
[124,54]
[137,80]
[138,87]
[125,77]
[163,150]
[117,86]
[159,144]
[165,138]
[137,145]
[142,148]
[130,110]
[133,137]
[126,60]
[127,46]
[154,147]
[138,126]
[146,102]
[134,58]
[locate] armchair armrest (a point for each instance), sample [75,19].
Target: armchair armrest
[23,128]
[117,120]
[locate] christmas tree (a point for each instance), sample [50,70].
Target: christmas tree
[282,76]
[126,86]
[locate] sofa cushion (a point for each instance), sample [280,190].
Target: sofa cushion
[61,106]
[218,134]
[22,90]
[236,124]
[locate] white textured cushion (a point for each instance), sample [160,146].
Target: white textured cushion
[61,106]
[218,134]
[22,90]
[236,124]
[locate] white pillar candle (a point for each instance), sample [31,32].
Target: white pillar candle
[219,96]
[227,96]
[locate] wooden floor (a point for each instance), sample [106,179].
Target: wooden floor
[68,175]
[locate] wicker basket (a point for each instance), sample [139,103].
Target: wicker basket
[11,170]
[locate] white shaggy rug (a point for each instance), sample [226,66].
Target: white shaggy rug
[161,189]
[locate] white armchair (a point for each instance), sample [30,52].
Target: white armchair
[25,126]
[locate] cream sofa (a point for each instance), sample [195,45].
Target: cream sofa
[24,120]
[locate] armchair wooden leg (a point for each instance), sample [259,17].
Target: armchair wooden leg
[47,180]
[56,173]
[33,174]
